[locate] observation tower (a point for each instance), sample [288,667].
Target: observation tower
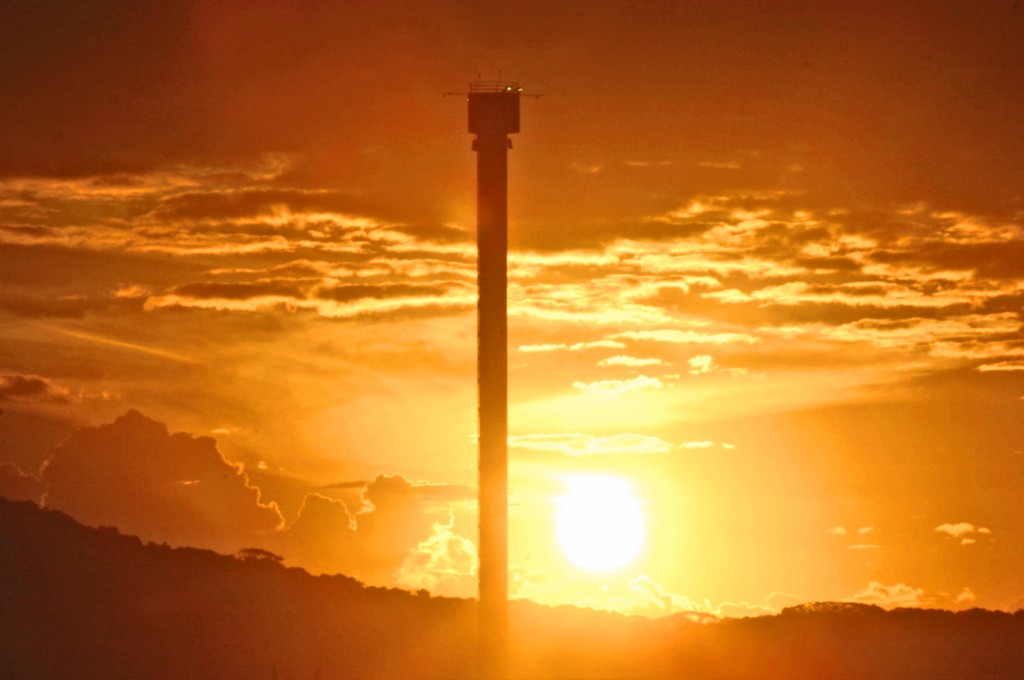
[493,116]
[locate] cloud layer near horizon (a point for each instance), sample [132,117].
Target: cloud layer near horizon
[134,475]
[137,476]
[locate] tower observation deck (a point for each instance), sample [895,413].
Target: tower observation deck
[493,115]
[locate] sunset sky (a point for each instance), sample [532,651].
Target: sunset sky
[766,283]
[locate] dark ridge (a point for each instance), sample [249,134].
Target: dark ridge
[78,602]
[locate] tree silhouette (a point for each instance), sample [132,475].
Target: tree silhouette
[77,602]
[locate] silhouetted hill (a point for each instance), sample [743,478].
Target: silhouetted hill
[77,602]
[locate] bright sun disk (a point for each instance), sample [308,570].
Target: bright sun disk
[599,524]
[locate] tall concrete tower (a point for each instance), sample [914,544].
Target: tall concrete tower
[493,115]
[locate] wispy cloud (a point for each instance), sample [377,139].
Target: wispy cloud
[625,360]
[583,445]
[686,337]
[619,387]
[122,344]
[574,347]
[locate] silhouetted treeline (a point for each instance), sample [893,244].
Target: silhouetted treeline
[89,603]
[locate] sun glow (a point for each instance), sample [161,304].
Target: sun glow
[599,524]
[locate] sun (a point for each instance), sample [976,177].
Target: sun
[599,524]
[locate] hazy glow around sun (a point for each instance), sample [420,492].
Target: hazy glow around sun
[599,523]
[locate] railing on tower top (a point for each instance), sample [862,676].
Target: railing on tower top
[494,86]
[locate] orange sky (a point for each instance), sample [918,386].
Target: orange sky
[767,268]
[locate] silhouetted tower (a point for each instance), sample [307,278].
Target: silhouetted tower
[493,115]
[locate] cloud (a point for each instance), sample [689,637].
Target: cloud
[688,337]
[323,257]
[397,529]
[585,168]
[990,256]
[618,388]
[237,291]
[966,596]
[1010,365]
[956,530]
[360,308]
[444,563]
[390,522]
[349,292]
[743,609]
[1015,605]
[583,445]
[175,488]
[280,205]
[575,347]
[320,537]
[653,599]
[624,360]
[37,307]
[637,596]
[548,347]
[435,233]
[897,595]
[32,388]
[955,336]
[640,595]
[903,595]
[965,532]
[702,363]
[837,531]
[17,485]
[120,344]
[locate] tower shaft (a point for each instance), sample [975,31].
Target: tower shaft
[492,372]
